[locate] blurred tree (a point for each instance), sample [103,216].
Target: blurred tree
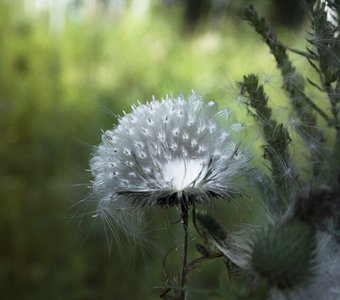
[195,11]
[53,88]
[287,13]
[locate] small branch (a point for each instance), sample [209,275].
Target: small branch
[315,107]
[196,261]
[333,97]
[315,85]
[302,53]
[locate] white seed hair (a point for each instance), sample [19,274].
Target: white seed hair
[166,150]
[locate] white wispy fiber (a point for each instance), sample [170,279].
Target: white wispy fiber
[165,152]
[236,249]
[331,14]
[326,283]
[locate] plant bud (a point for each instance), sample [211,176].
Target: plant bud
[284,254]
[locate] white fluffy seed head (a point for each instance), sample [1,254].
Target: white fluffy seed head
[166,150]
[181,172]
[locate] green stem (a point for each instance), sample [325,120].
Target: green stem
[184,218]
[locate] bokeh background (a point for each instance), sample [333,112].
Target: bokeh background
[66,68]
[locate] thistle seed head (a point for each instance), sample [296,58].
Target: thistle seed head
[166,151]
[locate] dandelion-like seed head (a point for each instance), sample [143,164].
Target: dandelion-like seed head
[165,152]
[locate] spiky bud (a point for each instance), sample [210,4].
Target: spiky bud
[211,225]
[284,254]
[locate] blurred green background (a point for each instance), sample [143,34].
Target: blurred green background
[65,68]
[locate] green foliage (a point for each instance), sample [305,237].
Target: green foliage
[293,83]
[325,40]
[57,89]
[53,87]
[283,253]
[276,135]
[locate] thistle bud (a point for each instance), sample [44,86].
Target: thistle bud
[212,227]
[284,254]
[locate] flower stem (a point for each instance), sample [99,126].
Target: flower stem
[184,219]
